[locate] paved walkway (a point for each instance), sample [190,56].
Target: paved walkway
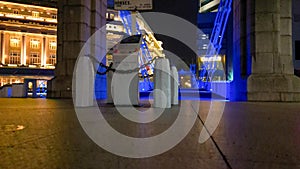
[40,133]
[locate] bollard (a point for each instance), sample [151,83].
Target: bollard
[85,79]
[162,84]
[174,84]
[125,86]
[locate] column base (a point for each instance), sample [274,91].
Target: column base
[273,87]
[60,87]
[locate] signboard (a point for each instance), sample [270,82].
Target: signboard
[133,4]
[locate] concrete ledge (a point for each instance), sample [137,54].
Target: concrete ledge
[274,87]
[274,97]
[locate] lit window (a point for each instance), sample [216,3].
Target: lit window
[52,59]
[35,14]
[54,16]
[52,45]
[16,11]
[34,58]
[34,43]
[112,16]
[14,57]
[15,42]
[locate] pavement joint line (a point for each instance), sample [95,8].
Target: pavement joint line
[213,140]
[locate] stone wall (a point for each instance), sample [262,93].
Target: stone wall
[272,77]
[77,21]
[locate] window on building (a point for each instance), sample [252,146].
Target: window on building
[52,45]
[34,58]
[34,43]
[14,57]
[54,16]
[52,59]
[16,11]
[14,42]
[297,49]
[35,14]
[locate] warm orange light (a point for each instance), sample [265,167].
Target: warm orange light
[53,44]
[5,3]
[14,16]
[35,42]
[34,18]
[211,59]
[12,65]
[15,40]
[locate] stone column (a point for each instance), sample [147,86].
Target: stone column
[98,22]
[174,85]
[162,83]
[76,23]
[272,76]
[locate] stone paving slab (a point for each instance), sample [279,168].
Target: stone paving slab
[250,135]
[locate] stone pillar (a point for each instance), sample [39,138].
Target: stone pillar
[98,22]
[125,86]
[85,84]
[162,84]
[272,76]
[77,21]
[174,85]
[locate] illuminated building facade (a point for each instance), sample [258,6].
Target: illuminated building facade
[27,42]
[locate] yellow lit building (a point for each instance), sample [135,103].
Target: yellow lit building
[27,42]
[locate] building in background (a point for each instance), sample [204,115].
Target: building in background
[296,36]
[206,25]
[206,20]
[27,42]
